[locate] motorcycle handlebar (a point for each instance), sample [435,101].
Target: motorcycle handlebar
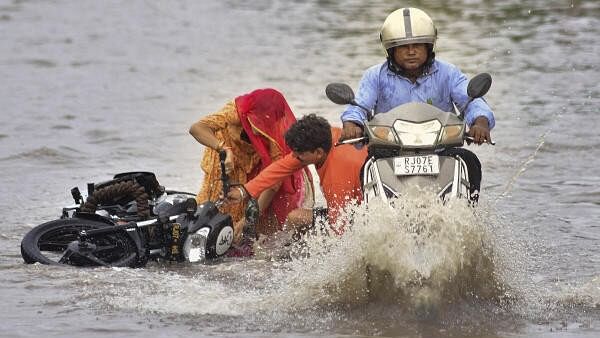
[224,177]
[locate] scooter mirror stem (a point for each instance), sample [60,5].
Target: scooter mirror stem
[461,113]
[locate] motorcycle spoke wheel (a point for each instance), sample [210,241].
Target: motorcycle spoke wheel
[49,243]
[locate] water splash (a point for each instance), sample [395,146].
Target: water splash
[422,254]
[523,167]
[420,257]
[586,295]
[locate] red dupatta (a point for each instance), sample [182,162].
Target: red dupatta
[266,112]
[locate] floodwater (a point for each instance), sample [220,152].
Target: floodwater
[92,88]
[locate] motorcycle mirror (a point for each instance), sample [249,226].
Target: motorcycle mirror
[479,85]
[341,93]
[191,206]
[76,194]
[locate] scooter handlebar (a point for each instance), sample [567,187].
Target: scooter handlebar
[351,141]
[470,139]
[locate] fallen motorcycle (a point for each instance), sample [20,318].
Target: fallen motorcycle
[128,221]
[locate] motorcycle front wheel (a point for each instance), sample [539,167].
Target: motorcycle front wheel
[58,243]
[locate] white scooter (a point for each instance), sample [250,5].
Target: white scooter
[417,144]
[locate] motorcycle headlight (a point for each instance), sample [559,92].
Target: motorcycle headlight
[417,134]
[194,248]
[452,134]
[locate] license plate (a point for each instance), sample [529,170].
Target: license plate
[417,165]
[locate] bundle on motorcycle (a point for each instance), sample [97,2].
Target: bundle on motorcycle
[417,145]
[128,221]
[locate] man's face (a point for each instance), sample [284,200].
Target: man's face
[316,157]
[411,57]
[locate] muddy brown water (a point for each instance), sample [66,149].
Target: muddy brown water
[92,88]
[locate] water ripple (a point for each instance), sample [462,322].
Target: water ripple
[63,155]
[42,63]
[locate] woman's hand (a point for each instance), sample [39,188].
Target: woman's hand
[237,194]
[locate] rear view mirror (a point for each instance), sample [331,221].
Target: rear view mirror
[479,85]
[339,93]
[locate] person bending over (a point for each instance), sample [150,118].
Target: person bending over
[311,141]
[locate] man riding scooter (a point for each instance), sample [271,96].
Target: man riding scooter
[411,73]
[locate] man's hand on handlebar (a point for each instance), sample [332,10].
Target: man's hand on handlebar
[480,131]
[351,130]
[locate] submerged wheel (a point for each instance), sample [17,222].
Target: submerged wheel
[52,243]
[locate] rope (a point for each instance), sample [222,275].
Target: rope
[107,196]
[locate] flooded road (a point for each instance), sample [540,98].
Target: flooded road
[93,88]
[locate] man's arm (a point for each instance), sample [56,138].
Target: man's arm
[269,177]
[478,115]
[366,96]
[475,109]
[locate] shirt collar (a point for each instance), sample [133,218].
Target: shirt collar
[432,69]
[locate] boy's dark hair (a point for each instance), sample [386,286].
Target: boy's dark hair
[309,133]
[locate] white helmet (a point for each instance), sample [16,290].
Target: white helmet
[406,26]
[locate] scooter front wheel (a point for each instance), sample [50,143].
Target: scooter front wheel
[58,242]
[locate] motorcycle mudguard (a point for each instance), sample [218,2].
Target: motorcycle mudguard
[93,217]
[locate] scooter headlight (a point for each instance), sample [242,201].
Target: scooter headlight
[417,134]
[194,248]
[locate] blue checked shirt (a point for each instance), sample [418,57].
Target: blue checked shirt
[382,90]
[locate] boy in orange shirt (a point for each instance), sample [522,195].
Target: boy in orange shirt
[310,140]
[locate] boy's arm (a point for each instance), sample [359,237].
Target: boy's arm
[273,174]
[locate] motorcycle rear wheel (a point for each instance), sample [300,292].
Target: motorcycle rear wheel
[48,243]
